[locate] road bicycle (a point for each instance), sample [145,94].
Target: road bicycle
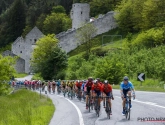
[108,108]
[64,92]
[90,102]
[127,107]
[58,89]
[97,105]
[79,94]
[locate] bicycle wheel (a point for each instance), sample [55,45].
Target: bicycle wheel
[89,103]
[98,108]
[107,109]
[92,104]
[71,95]
[109,112]
[129,112]
[98,111]
[79,95]
[126,110]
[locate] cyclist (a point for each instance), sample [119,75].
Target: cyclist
[63,85]
[58,85]
[53,86]
[78,86]
[107,90]
[83,89]
[70,85]
[49,86]
[96,91]
[88,87]
[125,88]
[98,79]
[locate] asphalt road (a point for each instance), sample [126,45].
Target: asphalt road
[25,78]
[73,112]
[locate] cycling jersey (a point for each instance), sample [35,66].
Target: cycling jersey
[83,87]
[78,84]
[107,88]
[126,86]
[97,87]
[53,83]
[89,84]
[70,84]
[58,83]
[100,83]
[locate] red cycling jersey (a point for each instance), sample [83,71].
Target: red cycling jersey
[89,84]
[97,87]
[79,84]
[107,88]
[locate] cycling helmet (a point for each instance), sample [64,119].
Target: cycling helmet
[95,81]
[90,78]
[125,78]
[98,79]
[106,81]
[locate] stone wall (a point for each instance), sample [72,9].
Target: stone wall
[18,47]
[20,63]
[104,23]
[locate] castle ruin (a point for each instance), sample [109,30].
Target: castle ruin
[23,47]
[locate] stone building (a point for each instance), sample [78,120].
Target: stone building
[23,48]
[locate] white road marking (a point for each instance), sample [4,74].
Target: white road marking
[78,111]
[148,103]
[144,92]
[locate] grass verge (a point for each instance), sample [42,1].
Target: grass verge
[25,108]
[20,75]
[147,85]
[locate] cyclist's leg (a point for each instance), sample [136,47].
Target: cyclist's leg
[104,99]
[109,99]
[129,94]
[99,95]
[124,100]
[87,95]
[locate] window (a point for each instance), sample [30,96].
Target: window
[20,51]
[35,40]
[81,12]
[19,45]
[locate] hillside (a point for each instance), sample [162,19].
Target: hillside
[18,17]
[142,48]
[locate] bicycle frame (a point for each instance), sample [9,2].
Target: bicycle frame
[96,103]
[127,108]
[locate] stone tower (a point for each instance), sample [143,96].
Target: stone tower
[79,14]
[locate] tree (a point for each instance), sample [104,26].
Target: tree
[40,21]
[48,59]
[153,14]
[14,24]
[85,34]
[58,9]
[56,23]
[6,72]
[124,16]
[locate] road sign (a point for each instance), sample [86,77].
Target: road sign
[141,77]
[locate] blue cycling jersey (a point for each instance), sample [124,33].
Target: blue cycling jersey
[126,86]
[58,83]
[82,87]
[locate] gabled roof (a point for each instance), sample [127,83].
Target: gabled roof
[18,40]
[35,30]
